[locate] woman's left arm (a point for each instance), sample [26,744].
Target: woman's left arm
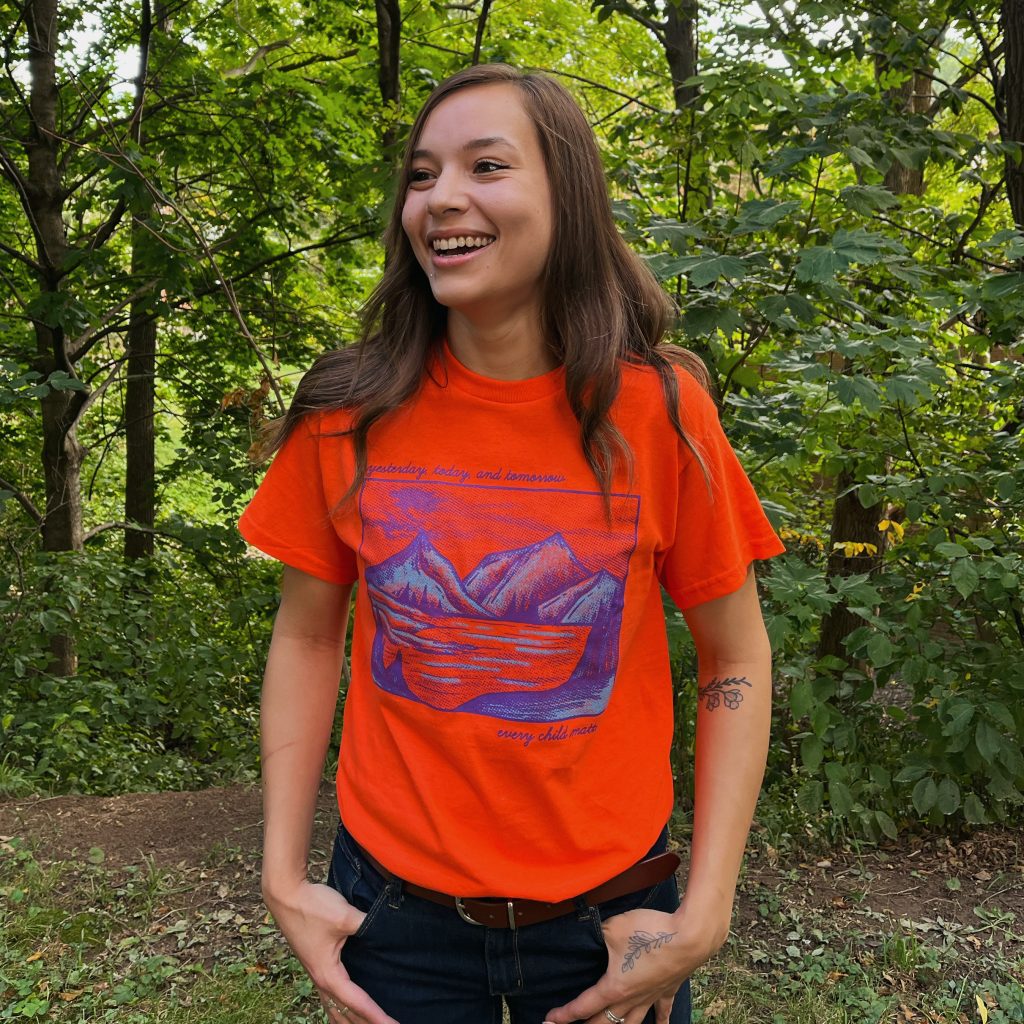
[650,953]
[734,693]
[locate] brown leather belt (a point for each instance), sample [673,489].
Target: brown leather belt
[515,913]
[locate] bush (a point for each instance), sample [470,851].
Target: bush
[167,688]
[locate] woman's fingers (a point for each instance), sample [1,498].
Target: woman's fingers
[352,1005]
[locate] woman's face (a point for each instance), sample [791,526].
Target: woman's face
[477,211]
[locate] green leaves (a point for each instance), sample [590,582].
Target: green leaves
[820,264]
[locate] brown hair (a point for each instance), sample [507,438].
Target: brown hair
[595,310]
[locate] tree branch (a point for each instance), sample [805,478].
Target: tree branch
[606,88]
[260,53]
[657,28]
[105,527]
[481,24]
[85,341]
[18,255]
[24,501]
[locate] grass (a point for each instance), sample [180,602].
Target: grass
[90,943]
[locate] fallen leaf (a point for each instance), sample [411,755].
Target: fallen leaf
[72,995]
[37,955]
[982,1009]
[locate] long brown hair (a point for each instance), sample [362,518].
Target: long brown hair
[599,303]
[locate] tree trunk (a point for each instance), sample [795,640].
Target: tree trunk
[680,41]
[44,197]
[140,342]
[914,96]
[1012,18]
[851,521]
[140,406]
[389,38]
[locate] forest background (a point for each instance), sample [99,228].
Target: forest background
[191,210]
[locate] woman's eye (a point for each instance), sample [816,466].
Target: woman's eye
[418,176]
[487,166]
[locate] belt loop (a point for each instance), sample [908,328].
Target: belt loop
[394,887]
[511,915]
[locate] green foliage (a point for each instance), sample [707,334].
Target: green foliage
[168,677]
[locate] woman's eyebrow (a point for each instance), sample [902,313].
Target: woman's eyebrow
[485,143]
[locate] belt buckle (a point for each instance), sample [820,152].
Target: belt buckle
[460,907]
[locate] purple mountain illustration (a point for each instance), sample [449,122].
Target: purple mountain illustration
[514,584]
[531,634]
[422,577]
[588,602]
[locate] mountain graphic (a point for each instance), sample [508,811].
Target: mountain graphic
[421,577]
[530,634]
[514,584]
[588,602]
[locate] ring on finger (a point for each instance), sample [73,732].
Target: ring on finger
[614,1020]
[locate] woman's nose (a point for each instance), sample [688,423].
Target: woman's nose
[447,193]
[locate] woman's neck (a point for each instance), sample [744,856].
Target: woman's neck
[512,349]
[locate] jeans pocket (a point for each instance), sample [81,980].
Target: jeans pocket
[357,881]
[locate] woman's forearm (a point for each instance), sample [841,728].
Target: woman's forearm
[300,693]
[733,724]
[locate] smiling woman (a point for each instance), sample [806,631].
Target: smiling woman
[510,465]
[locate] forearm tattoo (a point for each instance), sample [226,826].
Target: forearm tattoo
[719,690]
[644,942]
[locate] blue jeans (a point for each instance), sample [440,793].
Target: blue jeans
[424,965]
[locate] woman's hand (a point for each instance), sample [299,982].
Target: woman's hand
[650,955]
[316,920]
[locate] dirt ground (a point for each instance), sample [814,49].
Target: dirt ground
[212,839]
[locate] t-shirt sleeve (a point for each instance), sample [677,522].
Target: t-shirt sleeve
[720,525]
[288,516]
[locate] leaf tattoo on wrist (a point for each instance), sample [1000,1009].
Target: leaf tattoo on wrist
[643,942]
[723,690]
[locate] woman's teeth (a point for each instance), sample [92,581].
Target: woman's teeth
[461,242]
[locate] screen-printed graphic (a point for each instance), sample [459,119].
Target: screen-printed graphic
[498,601]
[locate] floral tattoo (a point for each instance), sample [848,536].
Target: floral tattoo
[727,690]
[644,942]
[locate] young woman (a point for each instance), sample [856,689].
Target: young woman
[510,468]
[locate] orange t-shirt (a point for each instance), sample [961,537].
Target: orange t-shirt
[508,722]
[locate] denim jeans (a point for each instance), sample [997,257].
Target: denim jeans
[424,965]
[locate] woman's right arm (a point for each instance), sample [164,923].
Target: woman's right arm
[300,693]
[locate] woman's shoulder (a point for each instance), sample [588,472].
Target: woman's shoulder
[645,383]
